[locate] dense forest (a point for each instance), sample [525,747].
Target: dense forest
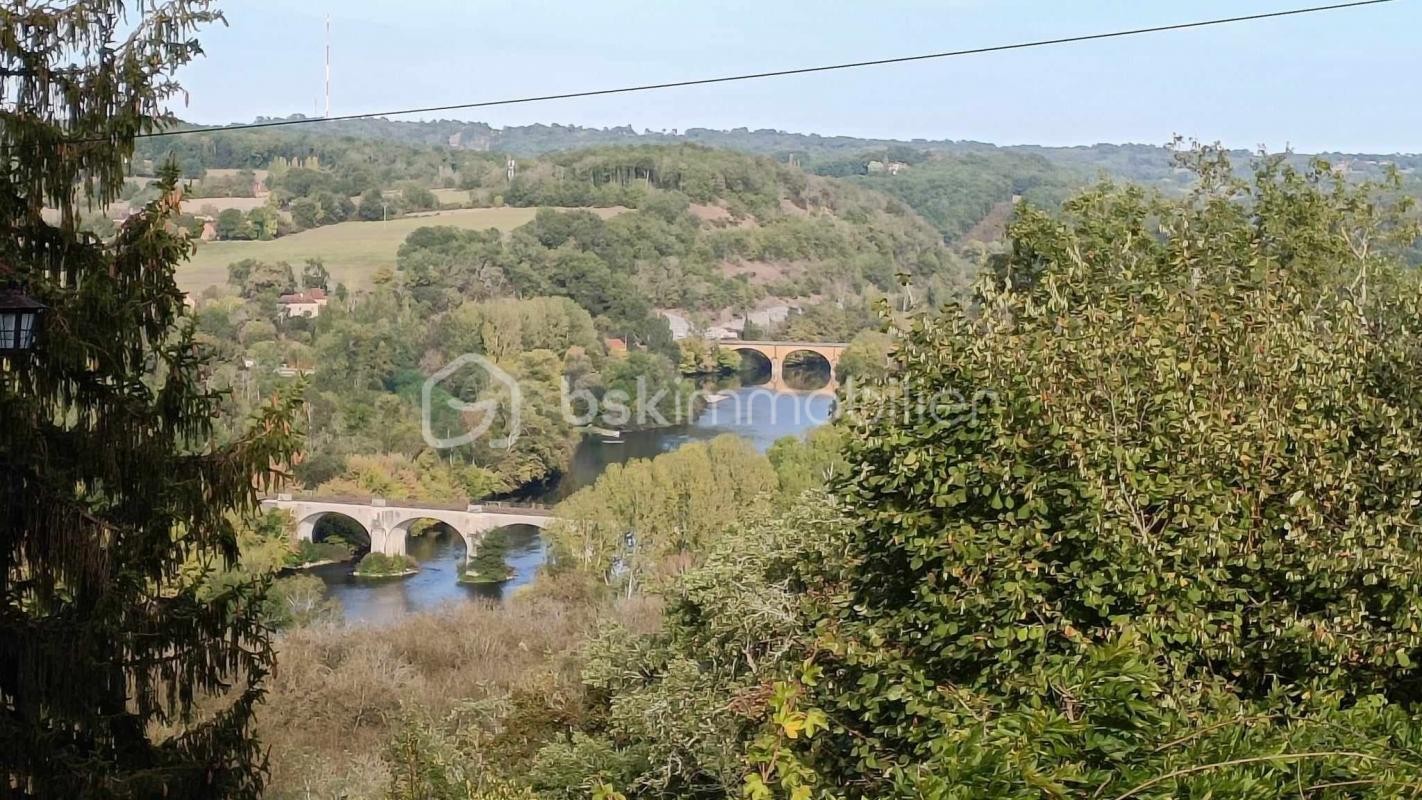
[955,185]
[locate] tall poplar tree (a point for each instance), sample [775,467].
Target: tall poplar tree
[118,676]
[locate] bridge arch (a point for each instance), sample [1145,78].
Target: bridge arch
[438,539]
[755,364]
[776,353]
[310,529]
[811,359]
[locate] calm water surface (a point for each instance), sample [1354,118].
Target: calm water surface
[760,415]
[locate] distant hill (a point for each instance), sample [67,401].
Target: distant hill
[954,184]
[1143,162]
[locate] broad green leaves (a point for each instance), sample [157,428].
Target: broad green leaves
[1193,480]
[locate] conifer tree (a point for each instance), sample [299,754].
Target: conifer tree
[118,677]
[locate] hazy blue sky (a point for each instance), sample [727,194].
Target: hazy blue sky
[1345,80]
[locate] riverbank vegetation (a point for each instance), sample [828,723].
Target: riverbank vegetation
[382,565]
[330,550]
[443,699]
[343,699]
[488,564]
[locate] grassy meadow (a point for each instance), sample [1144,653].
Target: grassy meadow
[353,251]
[458,197]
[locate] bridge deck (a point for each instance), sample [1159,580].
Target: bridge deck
[491,507]
[734,342]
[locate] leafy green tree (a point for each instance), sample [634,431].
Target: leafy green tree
[866,358]
[119,675]
[263,223]
[673,712]
[1138,526]
[233,224]
[501,329]
[488,563]
[1167,485]
[704,357]
[305,212]
[298,600]
[261,278]
[808,462]
[335,207]
[374,207]
[425,478]
[314,274]
[645,519]
[645,390]
[443,265]
[418,198]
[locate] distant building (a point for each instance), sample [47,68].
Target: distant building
[679,325]
[615,345]
[892,167]
[720,332]
[303,304]
[209,230]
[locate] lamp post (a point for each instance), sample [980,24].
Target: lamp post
[19,320]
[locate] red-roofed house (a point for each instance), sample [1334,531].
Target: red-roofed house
[303,304]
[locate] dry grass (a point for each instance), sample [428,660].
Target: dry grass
[353,251]
[339,693]
[458,197]
[209,205]
[228,172]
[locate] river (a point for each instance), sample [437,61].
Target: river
[760,415]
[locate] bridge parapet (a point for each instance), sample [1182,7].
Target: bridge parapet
[496,506]
[796,345]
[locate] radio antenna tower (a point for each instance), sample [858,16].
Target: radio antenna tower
[328,65]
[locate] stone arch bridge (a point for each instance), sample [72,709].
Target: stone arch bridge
[388,523]
[777,352]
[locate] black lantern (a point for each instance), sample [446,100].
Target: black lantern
[19,320]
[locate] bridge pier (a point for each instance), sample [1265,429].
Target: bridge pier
[390,541]
[306,529]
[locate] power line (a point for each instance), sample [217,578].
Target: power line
[647,87]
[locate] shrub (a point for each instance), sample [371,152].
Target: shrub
[488,564]
[332,548]
[378,565]
[299,600]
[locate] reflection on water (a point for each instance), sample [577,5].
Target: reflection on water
[758,414]
[441,557]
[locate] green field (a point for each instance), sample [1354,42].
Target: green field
[353,251]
